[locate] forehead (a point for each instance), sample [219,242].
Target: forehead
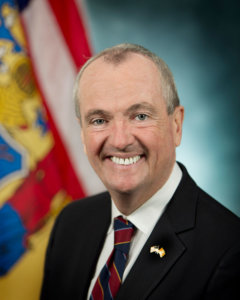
[133,65]
[135,76]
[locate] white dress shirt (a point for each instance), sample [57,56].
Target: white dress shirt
[144,218]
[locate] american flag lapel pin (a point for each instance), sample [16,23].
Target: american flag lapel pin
[159,251]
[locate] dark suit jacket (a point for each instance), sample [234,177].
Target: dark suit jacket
[201,239]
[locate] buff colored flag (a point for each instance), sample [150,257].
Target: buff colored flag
[37,177]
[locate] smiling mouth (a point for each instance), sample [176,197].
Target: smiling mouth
[125,161]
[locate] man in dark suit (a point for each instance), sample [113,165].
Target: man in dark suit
[185,245]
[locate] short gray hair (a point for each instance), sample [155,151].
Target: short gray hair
[118,54]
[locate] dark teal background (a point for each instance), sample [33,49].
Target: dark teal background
[200,41]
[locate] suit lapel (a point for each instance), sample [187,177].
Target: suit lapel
[98,220]
[149,269]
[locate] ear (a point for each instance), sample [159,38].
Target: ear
[178,116]
[79,121]
[83,141]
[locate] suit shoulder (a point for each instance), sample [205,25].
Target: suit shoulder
[209,210]
[216,214]
[87,205]
[194,207]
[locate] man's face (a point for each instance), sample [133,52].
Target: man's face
[129,138]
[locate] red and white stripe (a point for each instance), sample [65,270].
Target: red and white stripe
[58,46]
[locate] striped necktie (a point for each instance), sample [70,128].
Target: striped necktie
[110,278]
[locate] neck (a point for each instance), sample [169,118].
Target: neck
[128,202]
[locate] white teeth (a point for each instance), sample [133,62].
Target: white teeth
[125,161]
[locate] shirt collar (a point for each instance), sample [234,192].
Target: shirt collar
[147,215]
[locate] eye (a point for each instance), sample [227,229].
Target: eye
[141,117]
[98,122]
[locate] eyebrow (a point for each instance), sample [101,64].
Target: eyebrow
[97,112]
[139,106]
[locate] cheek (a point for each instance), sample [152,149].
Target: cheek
[159,141]
[93,142]
[154,136]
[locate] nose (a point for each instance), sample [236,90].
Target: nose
[121,135]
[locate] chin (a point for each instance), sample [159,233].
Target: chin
[124,188]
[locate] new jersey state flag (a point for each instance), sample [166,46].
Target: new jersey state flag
[42,166]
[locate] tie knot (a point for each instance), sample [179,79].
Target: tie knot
[123,231]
